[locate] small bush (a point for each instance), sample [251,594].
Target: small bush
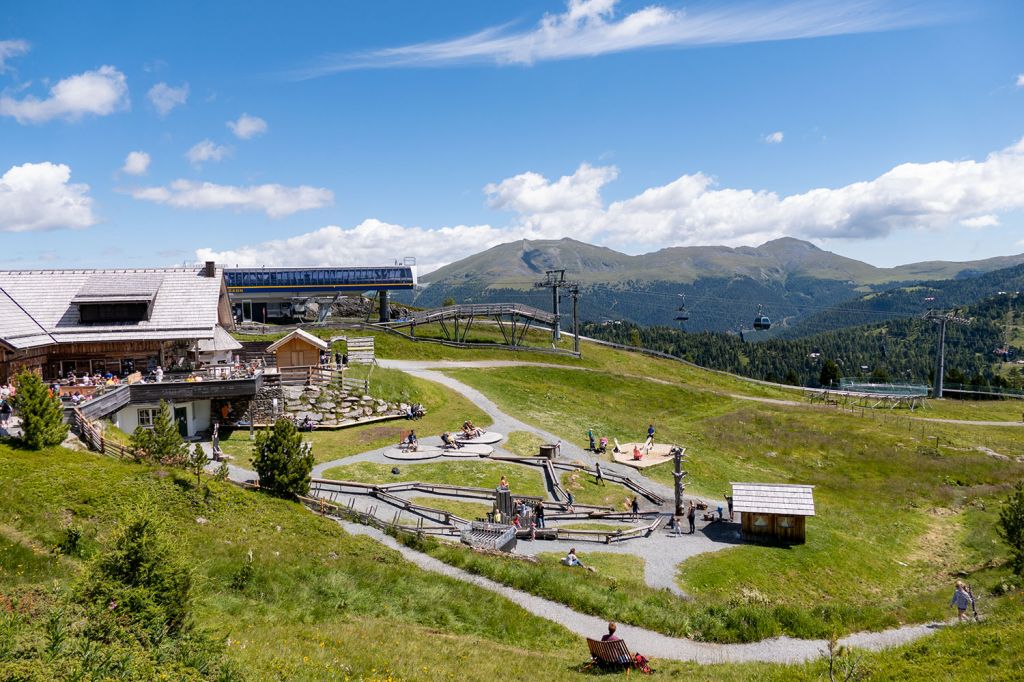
[70,545]
[243,576]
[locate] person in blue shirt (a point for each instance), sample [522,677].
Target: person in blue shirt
[650,433]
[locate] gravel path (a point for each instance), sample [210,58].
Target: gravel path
[653,644]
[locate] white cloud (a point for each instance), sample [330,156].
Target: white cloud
[774,138]
[372,241]
[1020,80]
[589,28]
[690,210]
[11,48]
[276,201]
[206,150]
[247,126]
[981,221]
[533,193]
[693,210]
[38,196]
[136,163]
[99,92]
[164,97]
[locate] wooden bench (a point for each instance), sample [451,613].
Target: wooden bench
[609,654]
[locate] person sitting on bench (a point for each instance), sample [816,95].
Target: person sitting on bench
[449,442]
[411,442]
[470,431]
[307,424]
[611,636]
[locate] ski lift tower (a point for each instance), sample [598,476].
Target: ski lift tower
[555,280]
[942,318]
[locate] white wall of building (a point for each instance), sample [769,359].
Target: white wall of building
[197,415]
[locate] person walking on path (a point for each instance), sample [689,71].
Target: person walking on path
[593,445]
[635,507]
[650,434]
[691,516]
[569,502]
[962,599]
[598,474]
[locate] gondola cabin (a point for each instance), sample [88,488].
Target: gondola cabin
[762,323]
[774,511]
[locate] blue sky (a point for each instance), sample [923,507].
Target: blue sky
[888,131]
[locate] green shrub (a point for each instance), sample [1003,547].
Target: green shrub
[42,417]
[142,579]
[282,460]
[1011,527]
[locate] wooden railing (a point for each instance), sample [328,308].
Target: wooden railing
[94,438]
[320,375]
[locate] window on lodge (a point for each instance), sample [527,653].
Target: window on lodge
[147,415]
[113,312]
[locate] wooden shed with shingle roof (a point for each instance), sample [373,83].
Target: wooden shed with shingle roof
[776,511]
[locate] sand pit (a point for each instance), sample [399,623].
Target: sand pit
[656,454]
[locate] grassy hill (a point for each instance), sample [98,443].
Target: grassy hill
[899,515]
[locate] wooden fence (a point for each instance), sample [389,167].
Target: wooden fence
[93,438]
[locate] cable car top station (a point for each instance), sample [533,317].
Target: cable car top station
[259,294]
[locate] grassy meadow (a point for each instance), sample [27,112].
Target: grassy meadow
[898,517]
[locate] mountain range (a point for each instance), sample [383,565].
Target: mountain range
[722,288]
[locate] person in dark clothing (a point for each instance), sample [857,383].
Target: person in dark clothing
[635,506]
[598,474]
[337,360]
[691,516]
[611,636]
[538,513]
[650,433]
[590,435]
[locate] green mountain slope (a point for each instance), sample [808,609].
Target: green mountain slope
[724,286]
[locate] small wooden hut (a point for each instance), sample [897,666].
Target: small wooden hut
[298,349]
[774,511]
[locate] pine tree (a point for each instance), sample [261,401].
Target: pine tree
[283,461]
[1011,528]
[197,462]
[42,417]
[163,442]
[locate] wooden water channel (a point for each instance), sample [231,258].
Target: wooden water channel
[329,497]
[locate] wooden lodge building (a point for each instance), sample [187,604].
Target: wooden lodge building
[125,323]
[773,511]
[299,349]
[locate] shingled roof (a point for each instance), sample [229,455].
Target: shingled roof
[41,307]
[773,498]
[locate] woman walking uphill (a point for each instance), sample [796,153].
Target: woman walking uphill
[962,599]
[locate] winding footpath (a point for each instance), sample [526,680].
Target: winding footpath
[661,557]
[649,643]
